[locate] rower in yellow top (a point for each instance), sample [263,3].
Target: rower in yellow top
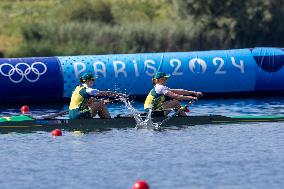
[162,97]
[84,106]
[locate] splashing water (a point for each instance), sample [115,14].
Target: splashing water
[140,123]
[147,123]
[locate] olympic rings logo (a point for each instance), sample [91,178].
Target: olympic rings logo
[31,72]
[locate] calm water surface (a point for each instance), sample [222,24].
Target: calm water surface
[207,156]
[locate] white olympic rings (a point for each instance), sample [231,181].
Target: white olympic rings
[23,73]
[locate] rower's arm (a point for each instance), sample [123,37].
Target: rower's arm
[179,96]
[92,91]
[111,94]
[186,92]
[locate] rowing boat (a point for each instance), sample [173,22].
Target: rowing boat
[24,123]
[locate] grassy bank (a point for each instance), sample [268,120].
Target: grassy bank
[71,27]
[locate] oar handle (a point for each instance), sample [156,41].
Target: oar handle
[176,113]
[191,102]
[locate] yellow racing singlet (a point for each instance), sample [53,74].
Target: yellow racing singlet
[148,101]
[79,99]
[154,100]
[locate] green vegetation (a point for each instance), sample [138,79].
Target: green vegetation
[73,27]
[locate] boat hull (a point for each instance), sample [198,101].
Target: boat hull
[123,122]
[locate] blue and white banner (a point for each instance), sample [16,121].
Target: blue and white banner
[212,71]
[220,71]
[30,78]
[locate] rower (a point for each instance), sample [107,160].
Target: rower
[83,105]
[162,98]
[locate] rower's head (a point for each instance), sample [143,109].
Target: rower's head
[160,78]
[88,79]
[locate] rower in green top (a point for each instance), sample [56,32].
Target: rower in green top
[84,104]
[162,97]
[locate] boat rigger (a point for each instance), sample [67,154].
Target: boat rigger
[24,123]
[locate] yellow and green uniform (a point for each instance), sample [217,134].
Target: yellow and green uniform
[78,107]
[156,97]
[154,100]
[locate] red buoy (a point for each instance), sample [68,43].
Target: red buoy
[25,109]
[56,132]
[140,184]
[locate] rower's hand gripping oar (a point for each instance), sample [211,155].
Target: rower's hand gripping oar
[159,125]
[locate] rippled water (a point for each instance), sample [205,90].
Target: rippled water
[205,156]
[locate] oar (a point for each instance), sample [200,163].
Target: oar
[51,116]
[159,125]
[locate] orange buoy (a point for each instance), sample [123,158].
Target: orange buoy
[56,132]
[140,184]
[25,109]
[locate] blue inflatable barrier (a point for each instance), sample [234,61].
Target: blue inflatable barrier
[30,78]
[222,71]
[269,73]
